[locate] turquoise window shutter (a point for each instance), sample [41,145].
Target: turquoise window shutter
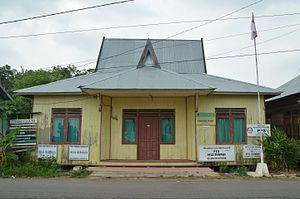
[58,130]
[130,132]
[73,129]
[238,130]
[167,130]
[223,130]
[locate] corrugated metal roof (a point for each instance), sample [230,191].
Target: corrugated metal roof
[147,78]
[289,88]
[170,55]
[70,85]
[174,75]
[224,85]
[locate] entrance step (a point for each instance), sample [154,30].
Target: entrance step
[151,172]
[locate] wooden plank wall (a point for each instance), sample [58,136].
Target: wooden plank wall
[90,123]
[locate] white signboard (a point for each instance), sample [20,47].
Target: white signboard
[251,151]
[216,153]
[47,151]
[23,121]
[78,152]
[257,129]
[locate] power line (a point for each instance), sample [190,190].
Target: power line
[184,31]
[259,43]
[212,58]
[247,33]
[64,12]
[134,26]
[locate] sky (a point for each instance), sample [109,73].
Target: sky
[81,49]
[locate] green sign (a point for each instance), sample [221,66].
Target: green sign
[205,119]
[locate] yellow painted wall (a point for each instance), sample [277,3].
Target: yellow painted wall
[105,128]
[207,135]
[109,126]
[90,123]
[167,151]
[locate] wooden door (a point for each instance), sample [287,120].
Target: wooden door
[148,138]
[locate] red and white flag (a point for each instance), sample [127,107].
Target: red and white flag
[253,28]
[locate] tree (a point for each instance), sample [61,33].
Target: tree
[7,74]
[13,80]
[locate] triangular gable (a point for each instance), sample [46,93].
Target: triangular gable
[148,56]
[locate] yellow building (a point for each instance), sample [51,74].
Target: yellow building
[150,102]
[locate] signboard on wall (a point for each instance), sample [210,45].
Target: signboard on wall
[251,151]
[47,151]
[216,153]
[26,136]
[205,119]
[78,152]
[256,129]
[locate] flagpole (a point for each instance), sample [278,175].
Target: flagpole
[258,101]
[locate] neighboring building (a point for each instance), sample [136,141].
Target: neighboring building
[3,118]
[150,102]
[283,111]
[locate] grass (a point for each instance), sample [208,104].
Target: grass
[38,168]
[298,175]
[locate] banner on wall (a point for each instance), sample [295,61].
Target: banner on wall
[78,152]
[47,151]
[216,153]
[205,119]
[254,130]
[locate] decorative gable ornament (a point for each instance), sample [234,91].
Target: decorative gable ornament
[148,57]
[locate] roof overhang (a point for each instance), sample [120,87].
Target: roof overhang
[146,92]
[269,94]
[48,93]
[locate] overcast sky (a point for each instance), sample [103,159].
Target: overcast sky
[62,49]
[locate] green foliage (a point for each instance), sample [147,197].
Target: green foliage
[280,151]
[235,170]
[7,155]
[7,74]
[13,80]
[32,168]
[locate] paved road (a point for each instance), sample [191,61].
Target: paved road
[89,188]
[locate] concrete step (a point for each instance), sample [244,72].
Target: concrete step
[151,172]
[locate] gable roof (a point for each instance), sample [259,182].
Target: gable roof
[289,88]
[122,54]
[148,78]
[148,55]
[3,94]
[154,76]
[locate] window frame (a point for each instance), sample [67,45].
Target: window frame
[65,114]
[231,114]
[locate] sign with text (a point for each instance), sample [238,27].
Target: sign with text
[26,136]
[216,153]
[47,151]
[205,119]
[258,129]
[251,151]
[78,152]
